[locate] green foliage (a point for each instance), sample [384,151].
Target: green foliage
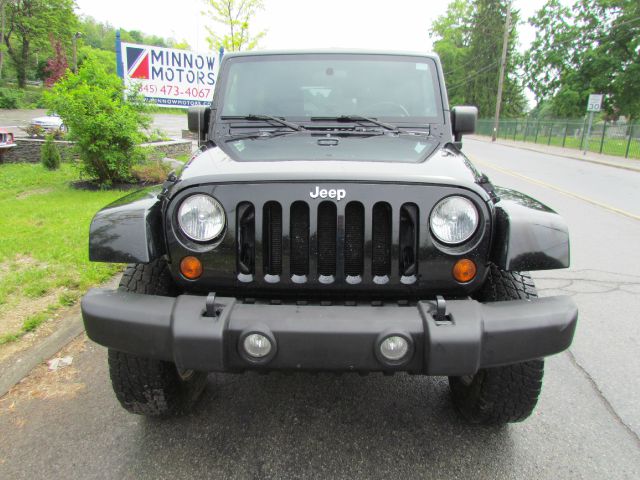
[11,98]
[152,171]
[468,38]
[50,155]
[452,31]
[104,125]
[30,26]
[106,58]
[101,35]
[590,47]
[156,135]
[234,16]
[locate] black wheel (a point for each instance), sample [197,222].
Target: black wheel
[495,396]
[142,385]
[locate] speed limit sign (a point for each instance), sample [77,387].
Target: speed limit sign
[595,102]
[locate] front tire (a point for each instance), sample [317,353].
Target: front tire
[495,396]
[142,385]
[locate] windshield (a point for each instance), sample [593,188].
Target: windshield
[299,87]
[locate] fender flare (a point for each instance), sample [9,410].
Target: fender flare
[528,235]
[128,230]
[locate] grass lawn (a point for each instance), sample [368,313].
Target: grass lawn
[44,260]
[610,146]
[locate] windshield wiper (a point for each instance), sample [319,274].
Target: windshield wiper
[259,134]
[357,118]
[269,118]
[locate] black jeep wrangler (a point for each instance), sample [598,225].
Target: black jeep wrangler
[330,222]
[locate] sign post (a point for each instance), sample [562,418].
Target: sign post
[168,77]
[593,105]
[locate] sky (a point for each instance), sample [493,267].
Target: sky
[297,24]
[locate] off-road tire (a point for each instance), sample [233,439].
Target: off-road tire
[495,396]
[142,385]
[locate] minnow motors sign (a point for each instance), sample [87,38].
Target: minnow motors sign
[170,77]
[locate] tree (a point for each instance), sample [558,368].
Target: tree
[56,65]
[233,15]
[49,154]
[592,46]
[29,24]
[106,128]
[469,41]
[452,31]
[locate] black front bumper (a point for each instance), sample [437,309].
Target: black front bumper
[340,338]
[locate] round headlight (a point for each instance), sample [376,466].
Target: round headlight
[201,217]
[454,219]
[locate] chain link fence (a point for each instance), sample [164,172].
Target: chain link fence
[611,138]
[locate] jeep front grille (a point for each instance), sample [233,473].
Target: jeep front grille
[323,243]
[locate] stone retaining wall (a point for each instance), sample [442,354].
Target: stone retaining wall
[27,150]
[172,149]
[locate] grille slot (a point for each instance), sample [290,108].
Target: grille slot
[409,218]
[354,239]
[299,234]
[272,238]
[381,240]
[327,229]
[246,238]
[328,242]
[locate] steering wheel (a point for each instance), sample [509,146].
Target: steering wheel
[402,108]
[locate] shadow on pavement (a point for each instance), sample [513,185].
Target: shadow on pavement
[277,426]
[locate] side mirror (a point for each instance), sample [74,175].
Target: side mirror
[463,121]
[198,121]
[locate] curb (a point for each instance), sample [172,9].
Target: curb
[17,367]
[572,157]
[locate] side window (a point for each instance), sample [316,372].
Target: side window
[231,99]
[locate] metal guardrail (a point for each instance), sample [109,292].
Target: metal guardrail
[611,138]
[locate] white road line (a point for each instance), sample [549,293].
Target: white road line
[557,189]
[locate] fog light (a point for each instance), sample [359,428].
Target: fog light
[257,345]
[394,348]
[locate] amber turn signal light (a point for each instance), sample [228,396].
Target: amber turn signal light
[191,267]
[464,270]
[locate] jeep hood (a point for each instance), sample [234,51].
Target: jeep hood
[302,159]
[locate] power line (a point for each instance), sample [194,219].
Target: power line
[461,67]
[473,75]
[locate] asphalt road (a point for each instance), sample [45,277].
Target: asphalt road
[67,424]
[14,121]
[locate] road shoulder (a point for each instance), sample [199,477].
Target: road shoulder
[590,157]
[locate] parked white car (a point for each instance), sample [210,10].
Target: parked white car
[49,122]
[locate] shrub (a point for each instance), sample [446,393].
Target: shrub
[156,135]
[151,172]
[34,131]
[38,132]
[106,127]
[11,98]
[49,154]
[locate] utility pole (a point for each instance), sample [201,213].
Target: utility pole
[75,38]
[503,65]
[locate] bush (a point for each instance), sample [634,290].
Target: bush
[151,172]
[50,155]
[36,131]
[11,98]
[106,128]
